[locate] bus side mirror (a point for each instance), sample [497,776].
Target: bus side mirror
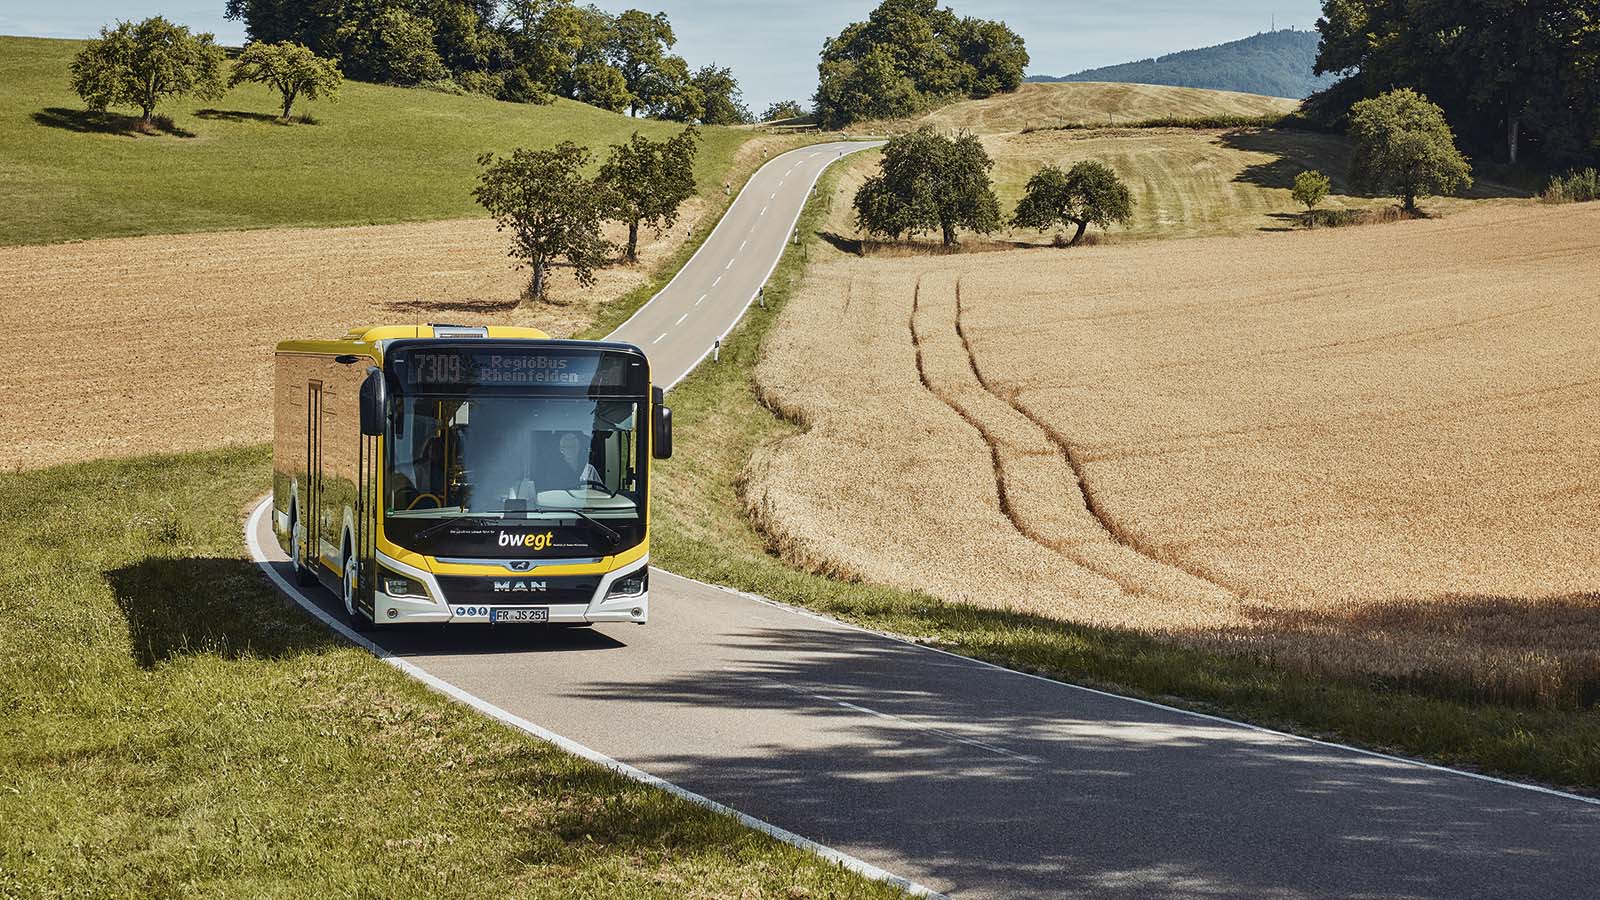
[374,401]
[660,425]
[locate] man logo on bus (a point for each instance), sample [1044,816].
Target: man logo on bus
[501,587]
[530,541]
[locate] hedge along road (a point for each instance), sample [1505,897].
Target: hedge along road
[958,776]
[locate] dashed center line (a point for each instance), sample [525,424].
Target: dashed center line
[701,300]
[743,245]
[728,266]
[763,212]
[681,318]
[658,340]
[715,283]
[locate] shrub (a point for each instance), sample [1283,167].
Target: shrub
[1310,188]
[1573,187]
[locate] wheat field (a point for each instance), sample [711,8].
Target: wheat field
[115,330]
[1099,103]
[1364,451]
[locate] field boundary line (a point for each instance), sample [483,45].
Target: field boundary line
[837,857]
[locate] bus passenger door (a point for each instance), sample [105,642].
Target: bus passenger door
[313,510]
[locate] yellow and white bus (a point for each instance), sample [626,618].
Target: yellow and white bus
[442,473]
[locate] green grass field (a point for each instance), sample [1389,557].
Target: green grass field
[701,530]
[379,154]
[171,727]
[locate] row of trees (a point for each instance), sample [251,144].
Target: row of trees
[141,64]
[555,213]
[520,50]
[932,182]
[910,54]
[1510,74]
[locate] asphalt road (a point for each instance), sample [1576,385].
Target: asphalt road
[972,780]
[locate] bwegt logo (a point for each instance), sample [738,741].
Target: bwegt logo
[528,541]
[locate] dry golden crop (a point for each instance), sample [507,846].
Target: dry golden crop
[1365,450]
[1099,104]
[164,343]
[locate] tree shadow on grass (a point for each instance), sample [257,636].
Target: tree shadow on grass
[1296,151]
[205,605]
[470,305]
[239,115]
[88,121]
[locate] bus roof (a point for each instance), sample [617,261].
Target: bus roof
[374,334]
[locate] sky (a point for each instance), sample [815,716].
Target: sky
[772,47]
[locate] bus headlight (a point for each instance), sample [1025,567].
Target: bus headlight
[396,585]
[630,586]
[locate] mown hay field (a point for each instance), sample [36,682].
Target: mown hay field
[1099,104]
[1357,451]
[163,343]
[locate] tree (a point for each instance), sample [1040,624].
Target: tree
[667,91]
[394,47]
[639,46]
[1089,193]
[1507,73]
[551,210]
[600,84]
[929,181]
[646,181]
[783,109]
[141,64]
[1404,148]
[721,97]
[291,68]
[909,54]
[1310,188]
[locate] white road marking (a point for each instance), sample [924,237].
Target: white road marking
[715,283]
[854,864]
[744,245]
[728,266]
[947,735]
[701,300]
[658,340]
[762,213]
[681,318]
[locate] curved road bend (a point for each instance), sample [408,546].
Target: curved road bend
[969,779]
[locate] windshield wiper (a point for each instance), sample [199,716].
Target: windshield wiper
[445,523]
[612,533]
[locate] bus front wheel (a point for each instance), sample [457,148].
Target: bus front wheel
[359,619]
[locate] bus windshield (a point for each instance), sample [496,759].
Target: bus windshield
[516,476]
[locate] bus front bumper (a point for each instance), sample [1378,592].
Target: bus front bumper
[438,607]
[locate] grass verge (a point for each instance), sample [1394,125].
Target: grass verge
[170,726]
[701,531]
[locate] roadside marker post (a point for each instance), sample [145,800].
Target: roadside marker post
[716,350]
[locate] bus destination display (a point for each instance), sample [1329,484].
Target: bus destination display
[488,367]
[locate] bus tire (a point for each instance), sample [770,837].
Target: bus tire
[303,575]
[351,581]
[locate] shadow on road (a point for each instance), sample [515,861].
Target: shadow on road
[1007,786]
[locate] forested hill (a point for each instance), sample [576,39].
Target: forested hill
[1275,63]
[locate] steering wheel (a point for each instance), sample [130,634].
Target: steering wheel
[421,497]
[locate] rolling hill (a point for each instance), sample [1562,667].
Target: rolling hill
[380,154]
[1276,63]
[1035,106]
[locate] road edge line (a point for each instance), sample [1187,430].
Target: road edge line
[837,857]
[1111,695]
